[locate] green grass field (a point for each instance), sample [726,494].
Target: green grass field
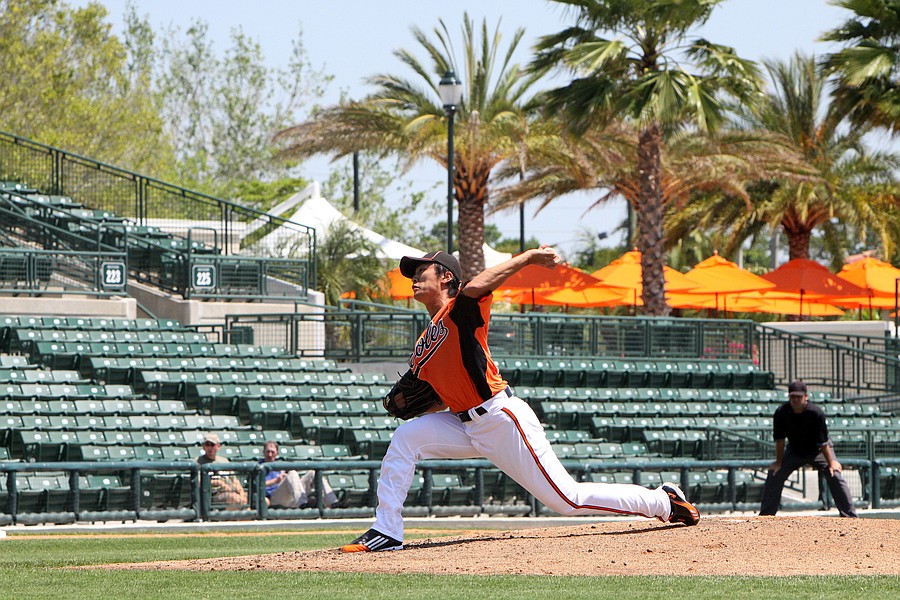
[35,567]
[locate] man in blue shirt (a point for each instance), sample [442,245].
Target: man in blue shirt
[289,489]
[803,424]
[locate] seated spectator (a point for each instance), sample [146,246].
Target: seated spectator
[226,488]
[289,489]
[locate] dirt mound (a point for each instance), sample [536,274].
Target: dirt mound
[717,546]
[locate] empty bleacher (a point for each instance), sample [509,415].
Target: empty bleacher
[86,395]
[56,228]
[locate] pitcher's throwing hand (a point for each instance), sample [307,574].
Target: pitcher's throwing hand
[545,256]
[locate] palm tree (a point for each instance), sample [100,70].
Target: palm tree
[346,261]
[867,70]
[406,118]
[641,75]
[851,185]
[692,164]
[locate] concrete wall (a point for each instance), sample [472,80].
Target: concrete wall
[199,312]
[69,305]
[867,328]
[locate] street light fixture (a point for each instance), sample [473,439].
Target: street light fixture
[450,89]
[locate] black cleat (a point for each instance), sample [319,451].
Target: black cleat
[372,541]
[682,510]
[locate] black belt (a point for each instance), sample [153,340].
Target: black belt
[465,417]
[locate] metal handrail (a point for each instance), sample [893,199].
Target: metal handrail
[52,174]
[360,335]
[200,477]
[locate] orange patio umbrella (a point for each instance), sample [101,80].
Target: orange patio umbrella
[806,281]
[589,297]
[527,285]
[757,302]
[787,303]
[533,277]
[721,279]
[809,278]
[625,272]
[878,280]
[400,286]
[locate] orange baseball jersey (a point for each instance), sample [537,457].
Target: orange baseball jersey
[452,354]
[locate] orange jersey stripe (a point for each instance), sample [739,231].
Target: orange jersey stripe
[550,481]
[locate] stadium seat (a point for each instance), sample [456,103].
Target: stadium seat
[369,443]
[448,490]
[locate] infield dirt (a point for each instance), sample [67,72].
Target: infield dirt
[767,546]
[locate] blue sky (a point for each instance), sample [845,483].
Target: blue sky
[351,39]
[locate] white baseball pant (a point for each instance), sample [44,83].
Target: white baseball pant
[509,435]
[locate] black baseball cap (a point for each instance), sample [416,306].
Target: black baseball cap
[409,264]
[797,388]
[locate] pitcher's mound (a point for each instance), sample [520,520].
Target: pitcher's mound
[717,546]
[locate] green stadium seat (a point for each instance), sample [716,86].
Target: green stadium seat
[15,361]
[623,477]
[370,443]
[121,453]
[748,487]
[86,437]
[609,450]
[650,479]
[350,491]
[36,446]
[175,453]
[94,452]
[45,492]
[634,450]
[502,490]
[448,490]
[194,438]
[103,493]
[600,477]
[674,374]
[336,452]
[161,491]
[173,438]
[307,452]
[225,422]
[146,452]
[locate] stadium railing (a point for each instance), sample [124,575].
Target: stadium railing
[151,490]
[147,202]
[366,335]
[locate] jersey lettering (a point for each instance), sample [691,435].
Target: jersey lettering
[427,344]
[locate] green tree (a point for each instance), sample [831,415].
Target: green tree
[867,70]
[374,211]
[67,82]
[263,195]
[850,185]
[345,262]
[643,73]
[694,166]
[406,118]
[221,111]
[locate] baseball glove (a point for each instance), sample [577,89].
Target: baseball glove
[410,397]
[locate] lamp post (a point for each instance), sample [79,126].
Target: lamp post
[450,89]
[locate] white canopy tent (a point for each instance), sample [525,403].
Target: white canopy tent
[311,209]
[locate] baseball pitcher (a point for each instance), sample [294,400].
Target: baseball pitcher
[471,412]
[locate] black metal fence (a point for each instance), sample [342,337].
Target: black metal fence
[847,366]
[358,335]
[38,272]
[148,202]
[69,492]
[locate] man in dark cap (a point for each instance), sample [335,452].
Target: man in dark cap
[803,424]
[485,417]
